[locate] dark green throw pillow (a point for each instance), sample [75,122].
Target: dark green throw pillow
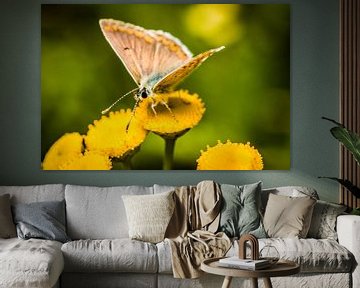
[43,220]
[240,210]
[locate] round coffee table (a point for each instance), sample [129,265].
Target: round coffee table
[281,268]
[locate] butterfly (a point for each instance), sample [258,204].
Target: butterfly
[156,60]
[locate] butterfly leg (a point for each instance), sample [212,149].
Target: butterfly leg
[169,109]
[153,105]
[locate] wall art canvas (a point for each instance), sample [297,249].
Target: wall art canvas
[165,87]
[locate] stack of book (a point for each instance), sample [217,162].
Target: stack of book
[248,264]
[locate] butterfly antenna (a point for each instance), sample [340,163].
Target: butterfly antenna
[112,105]
[132,113]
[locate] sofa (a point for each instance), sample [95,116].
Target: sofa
[101,254]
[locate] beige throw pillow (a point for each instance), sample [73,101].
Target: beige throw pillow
[7,226]
[288,217]
[149,215]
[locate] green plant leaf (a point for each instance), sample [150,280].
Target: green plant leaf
[347,184]
[355,211]
[333,121]
[348,138]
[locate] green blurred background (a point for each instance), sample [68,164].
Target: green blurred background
[245,87]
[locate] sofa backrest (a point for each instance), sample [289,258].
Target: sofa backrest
[98,212]
[163,188]
[35,193]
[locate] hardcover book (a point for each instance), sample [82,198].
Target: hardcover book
[236,262]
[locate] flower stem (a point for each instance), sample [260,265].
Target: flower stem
[169,153]
[123,164]
[127,163]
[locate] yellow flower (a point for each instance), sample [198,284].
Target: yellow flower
[88,161]
[183,112]
[67,147]
[67,154]
[109,136]
[230,156]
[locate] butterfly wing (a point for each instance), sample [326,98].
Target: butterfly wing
[176,76]
[146,54]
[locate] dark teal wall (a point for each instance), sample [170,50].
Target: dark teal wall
[314,93]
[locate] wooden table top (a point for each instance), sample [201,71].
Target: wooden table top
[281,268]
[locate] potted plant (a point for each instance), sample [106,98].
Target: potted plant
[351,141]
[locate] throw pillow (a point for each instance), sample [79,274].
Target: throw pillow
[149,215]
[44,220]
[288,217]
[7,227]
[323,222]
[292,191]
[240,210]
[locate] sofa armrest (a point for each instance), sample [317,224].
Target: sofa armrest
[348,230]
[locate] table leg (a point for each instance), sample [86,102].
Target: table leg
[267,283]
[254,282]
[227,282]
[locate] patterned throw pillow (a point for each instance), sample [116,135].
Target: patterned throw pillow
[323,223]
[240,210]
[288,217]
[149,215]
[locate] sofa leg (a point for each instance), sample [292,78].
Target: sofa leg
[254,282]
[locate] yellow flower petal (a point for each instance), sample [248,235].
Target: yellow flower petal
[230,156]
[64,149]
[109,136]
[88,161]
[184,111]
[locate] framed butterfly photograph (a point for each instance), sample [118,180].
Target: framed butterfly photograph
[165,87]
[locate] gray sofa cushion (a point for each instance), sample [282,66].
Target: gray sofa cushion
[164,257]
[301,280]
[117,255]
[34,193]
[323,255]
[313,255]
[109,280]
[30,263]
[98,213]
